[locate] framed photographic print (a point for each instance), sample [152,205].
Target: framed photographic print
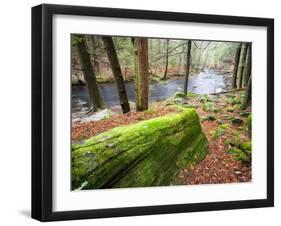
[146,112]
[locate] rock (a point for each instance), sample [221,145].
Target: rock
[242,152]
[209,118]
[103,114]
[245,114]
[148,153]
[237,121]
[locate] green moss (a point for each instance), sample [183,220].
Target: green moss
[208,106]
[220,131]
[242,152]
[179,95]
[148,153]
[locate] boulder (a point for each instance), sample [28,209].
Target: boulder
[237,121]
[148,153]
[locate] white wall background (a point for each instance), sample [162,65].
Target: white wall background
[15,113]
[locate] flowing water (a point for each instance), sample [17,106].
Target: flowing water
[206,82]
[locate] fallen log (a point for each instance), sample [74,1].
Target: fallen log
[148,153]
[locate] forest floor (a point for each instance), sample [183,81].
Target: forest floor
[222,131]
[224,124]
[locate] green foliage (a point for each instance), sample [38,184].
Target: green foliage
[77,39]
[124,48]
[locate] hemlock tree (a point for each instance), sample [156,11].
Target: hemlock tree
[141,72]
[236,66]
[242,64]
[96,101]
[116,70]
[167,60]
[188,54]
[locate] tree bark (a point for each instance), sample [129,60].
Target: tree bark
[141,73]
[95,58]
[167,60]
[242,64]
[248,66]
[185,88]
[236,66]
[116,70]
[96,101]
[248,94]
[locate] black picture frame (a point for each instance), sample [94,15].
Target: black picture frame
[42,111]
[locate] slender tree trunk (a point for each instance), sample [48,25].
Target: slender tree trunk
[248,94]
[141,73]
[179,66]
[167,60]
[206,57]
[116,70]
[242,64]
[198,61]
[96,101]
[236,66]
[248,66]
[185,88]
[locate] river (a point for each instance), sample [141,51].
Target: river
[205,82]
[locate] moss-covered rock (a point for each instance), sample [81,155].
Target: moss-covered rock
[237,121]
[242,151]
[148,153]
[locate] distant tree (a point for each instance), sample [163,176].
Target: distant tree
[236,66]
[116,70]
[167,60]
[188,56]
[242,64]
[141,72]
[248,66]
[96,101]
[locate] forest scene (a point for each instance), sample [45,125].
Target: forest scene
[158,112]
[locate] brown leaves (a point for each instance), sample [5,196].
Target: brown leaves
[82,131]
[218,166]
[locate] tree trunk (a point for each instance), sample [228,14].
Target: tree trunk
[236,66]
[248,66]
[96,101]
[206,57]
[116,70]
[199,60]
[185,88]
[167,60]
[242,64]
[95,59]
[248,94]
[141,73]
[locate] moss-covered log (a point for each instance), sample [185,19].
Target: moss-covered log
[148,153]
